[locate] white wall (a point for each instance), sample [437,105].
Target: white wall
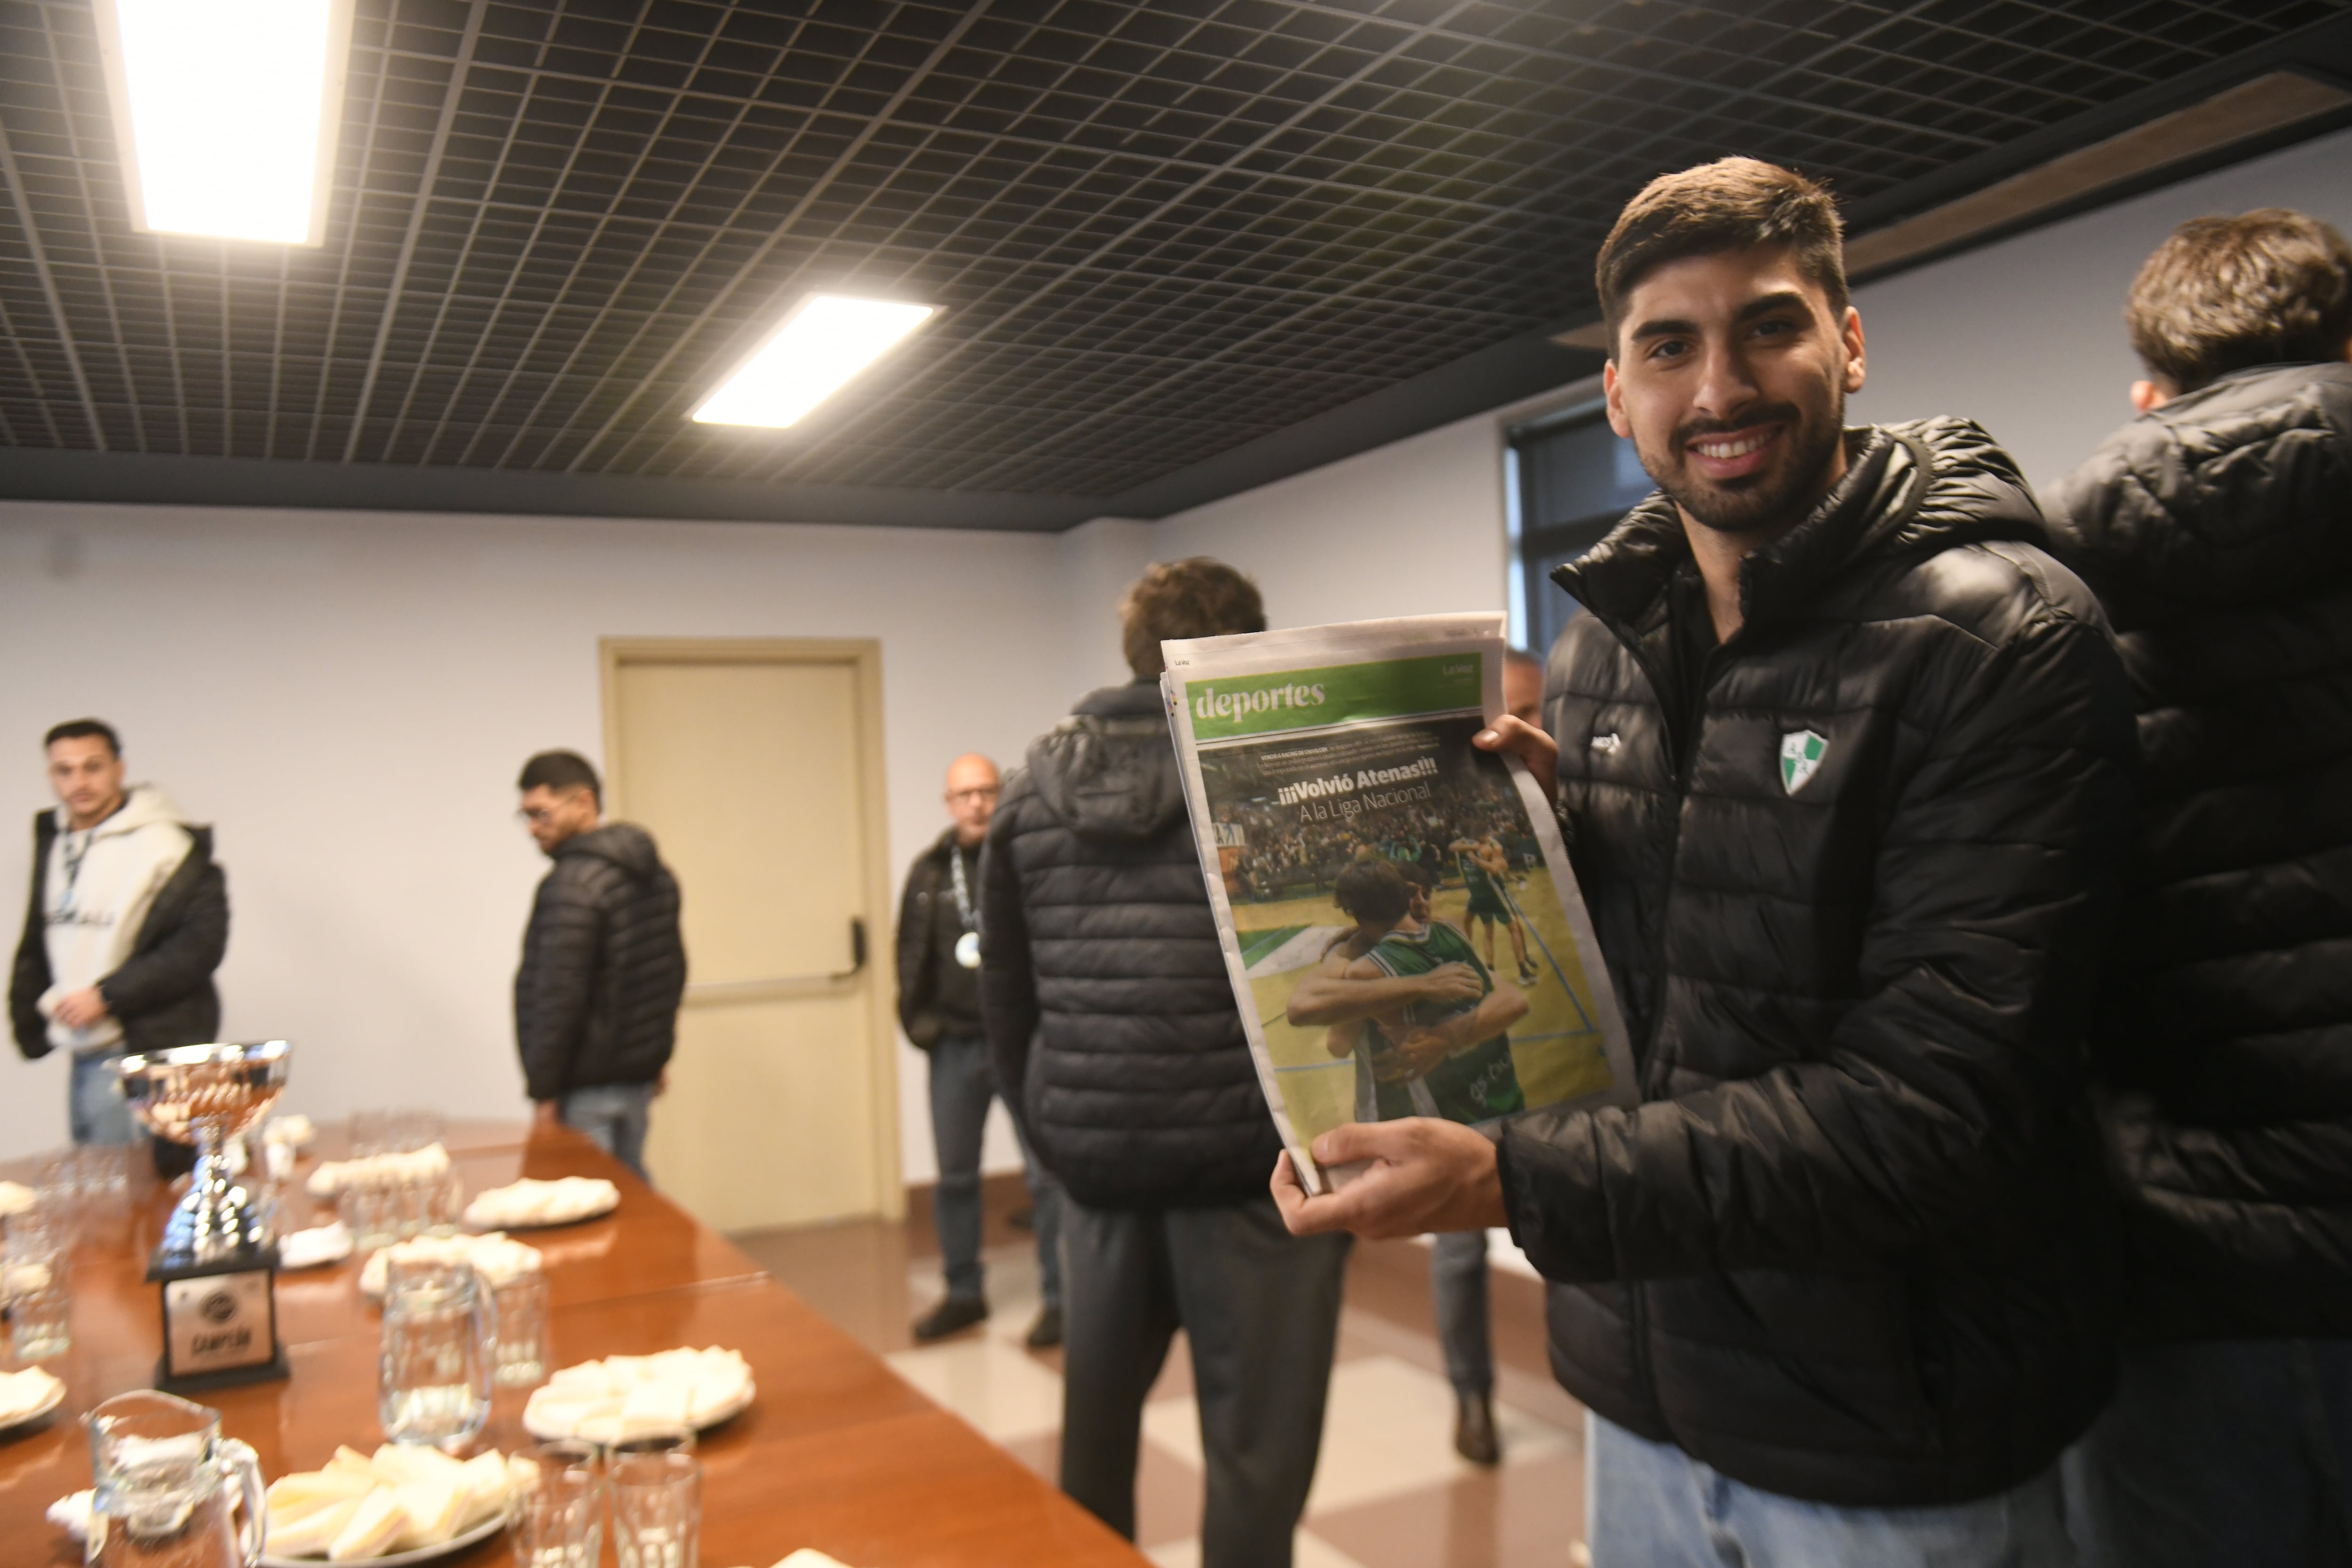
[1412,528]
[347,697]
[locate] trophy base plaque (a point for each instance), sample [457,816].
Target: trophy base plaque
[220,1323]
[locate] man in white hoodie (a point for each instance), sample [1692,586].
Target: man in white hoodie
[128,920]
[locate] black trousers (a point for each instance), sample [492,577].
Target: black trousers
[1260,1312]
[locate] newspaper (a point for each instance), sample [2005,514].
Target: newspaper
[1401,928]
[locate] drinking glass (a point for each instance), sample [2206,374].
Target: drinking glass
[34,1277]
[522,1330]
[414,1129]
[371,1132]
[59,1191]
[411,1201]
[657,1509]
[554,1509]
[366,1209]
[444,1208]
[440,1339]
[653,1440]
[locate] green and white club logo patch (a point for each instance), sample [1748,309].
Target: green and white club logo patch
[1800,759]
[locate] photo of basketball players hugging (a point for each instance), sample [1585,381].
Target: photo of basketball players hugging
[1400,919]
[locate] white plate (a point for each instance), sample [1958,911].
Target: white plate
[319,1260]
[56,1397]
[548,1432]
[482,1227]
[481,1532]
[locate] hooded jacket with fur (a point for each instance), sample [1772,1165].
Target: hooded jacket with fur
[136,908]
[1102,984]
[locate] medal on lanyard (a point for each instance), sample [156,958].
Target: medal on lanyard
[967,947]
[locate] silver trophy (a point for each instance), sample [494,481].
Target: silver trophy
[207,1095]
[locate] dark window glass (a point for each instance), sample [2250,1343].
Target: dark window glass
[1575,478]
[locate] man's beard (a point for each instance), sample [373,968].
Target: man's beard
[1754,502]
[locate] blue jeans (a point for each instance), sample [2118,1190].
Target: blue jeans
[95,1108]
[615,1115]
[2232,1451]
[963,1080]
[1649,1505]
[1457,1285]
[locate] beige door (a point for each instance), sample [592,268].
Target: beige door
[757,768]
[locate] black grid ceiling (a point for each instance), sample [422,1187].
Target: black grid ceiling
[1159,230]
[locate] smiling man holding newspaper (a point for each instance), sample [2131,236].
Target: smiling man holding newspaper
[1842,757]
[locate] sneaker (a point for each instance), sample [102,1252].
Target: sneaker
[1529,974]
[951,1316]
[1474,1430]
[1046,1331]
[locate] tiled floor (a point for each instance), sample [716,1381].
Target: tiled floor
[1390,1492]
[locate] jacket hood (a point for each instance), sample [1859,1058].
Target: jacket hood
[1909,490]
[625,844]
[1108,770]
[143,806]
[2238,493]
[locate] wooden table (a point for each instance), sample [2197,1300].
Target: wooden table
[836,1453]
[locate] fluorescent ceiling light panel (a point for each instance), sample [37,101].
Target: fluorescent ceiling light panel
[819,346]
[226,113]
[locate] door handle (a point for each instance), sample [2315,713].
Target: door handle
[785,985]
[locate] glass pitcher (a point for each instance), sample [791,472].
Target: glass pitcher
[168,1488]
[440,1349]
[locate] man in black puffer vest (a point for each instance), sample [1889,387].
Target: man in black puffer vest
[2217,528]
[1844,762]
[602,963]
[1105,996]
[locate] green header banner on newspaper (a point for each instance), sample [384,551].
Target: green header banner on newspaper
[1230,706]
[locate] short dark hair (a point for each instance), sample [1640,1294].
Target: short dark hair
[1418,875]
[1195,597]
[562,772]
[1732,203]
[77,728]
[1373,892]
[2228,293]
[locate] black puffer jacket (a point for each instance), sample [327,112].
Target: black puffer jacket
[2219,531]
[162,994]
[602,966]
[1102,982]
[1850,1248]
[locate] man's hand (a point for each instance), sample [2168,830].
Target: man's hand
[1425,1174]
[80,1009]
[545,1113]
[1452,982]
[1413,1056]
[1527,743]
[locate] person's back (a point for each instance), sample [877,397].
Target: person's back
[1093,870]
[1111,1018]
[2217,530]
[604,965]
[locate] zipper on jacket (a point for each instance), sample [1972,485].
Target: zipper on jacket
[1682,729]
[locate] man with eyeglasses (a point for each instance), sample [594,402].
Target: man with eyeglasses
[939,1006]
[602,965]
